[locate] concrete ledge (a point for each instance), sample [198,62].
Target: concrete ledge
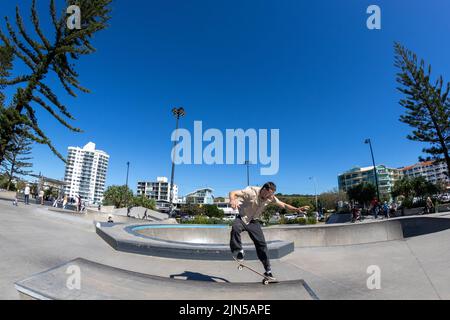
[102,282]
[119,237]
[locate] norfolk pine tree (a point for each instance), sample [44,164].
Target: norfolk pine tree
[427,104]
[44,55]
[17,159]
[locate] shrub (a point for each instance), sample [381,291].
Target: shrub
[311,220]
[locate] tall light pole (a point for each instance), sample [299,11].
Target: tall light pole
[367,141]
[128,170]
[178,113]
[315,191]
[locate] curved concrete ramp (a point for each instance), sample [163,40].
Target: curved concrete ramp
[101,282]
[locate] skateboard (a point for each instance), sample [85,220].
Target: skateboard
[242,265]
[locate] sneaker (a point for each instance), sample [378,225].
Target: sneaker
[240,255]
[269,276]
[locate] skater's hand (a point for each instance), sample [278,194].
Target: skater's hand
[303,209]
[234,204]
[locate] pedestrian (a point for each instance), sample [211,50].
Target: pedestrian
[65,201]
[429,206]
[355,213]
[78,203]
[55,203]
[145,214]
[26,193]
[16,200]
[41,197]
[386,210]
[393,209]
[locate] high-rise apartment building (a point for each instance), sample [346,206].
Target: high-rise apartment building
[86,173]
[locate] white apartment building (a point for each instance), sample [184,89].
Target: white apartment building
[158,190]
[86,173]
[432,171]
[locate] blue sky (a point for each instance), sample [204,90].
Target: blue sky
[309,68]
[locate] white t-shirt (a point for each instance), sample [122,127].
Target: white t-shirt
[27,191]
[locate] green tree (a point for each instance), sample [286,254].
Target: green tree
[330,198]
[417,187]
[402,187]
[118,196]
[6,58]
[193,209]
[427,104]
[43,55]
[17,159]
[362,193]
[143,201]
[269,212]
[213,212]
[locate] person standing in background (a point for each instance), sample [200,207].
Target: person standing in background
[26,193]
[65,201]
[41,197]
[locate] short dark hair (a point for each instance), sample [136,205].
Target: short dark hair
[270,186]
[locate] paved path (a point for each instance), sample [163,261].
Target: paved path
[33,240]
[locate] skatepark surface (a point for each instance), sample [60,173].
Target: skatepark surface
[36,240]
[101,282]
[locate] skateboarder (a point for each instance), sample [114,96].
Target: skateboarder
[251,203]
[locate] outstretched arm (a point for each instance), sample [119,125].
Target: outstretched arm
[286,206]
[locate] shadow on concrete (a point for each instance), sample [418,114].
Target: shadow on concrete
[189,275]
[418,226]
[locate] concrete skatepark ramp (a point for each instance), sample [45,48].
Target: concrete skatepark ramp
[101,282]
[206,242]
[168,241]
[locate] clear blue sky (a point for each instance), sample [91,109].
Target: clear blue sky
[310,68]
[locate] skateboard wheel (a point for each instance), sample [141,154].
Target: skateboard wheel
[240,268]
[265,282]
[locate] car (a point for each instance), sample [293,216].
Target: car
[187,218]
[229,218]
[444,198]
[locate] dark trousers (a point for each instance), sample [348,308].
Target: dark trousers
[256,234]
[27,199]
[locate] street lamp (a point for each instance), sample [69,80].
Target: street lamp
[315,191]
[367,141]
[178,113]
[128,169]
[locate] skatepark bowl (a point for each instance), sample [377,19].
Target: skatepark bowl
[198,242]
[211,242]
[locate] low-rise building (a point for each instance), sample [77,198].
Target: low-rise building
[386,178]
[200,196]
[432,171]
[158,190]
